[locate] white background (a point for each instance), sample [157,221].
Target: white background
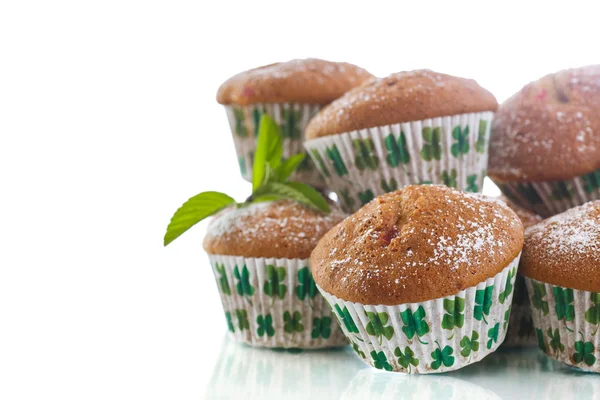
[108,122]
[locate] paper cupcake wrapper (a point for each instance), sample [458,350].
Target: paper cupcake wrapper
[521,332]
[433,336]
[566,323]
[362,164]
[274,303]
[553,197]
[291,118]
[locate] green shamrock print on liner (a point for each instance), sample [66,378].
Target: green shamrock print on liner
[493,335]
[346,319]
[454,317]
[229,322]
[529,193]
[469,344]
[389,187]
[292,323]
[256,116]
[537,300]
[555,342]
[483,303]
[432,149]
[358,351]
[592,315]
[561,191]
[472,184]
[540,338]
[413,323]
[223,284]
[480,144]
[364,150]
[240,128]
[290,124]
[242,317]
[243,287]
[449,179]
[461,146]
[376,326]
[273,285]
[380,360]
[584,352]
[591,181]
[242,165]
[407,358]
[365,196]
[321,327]
[505,294]
[564,303]
[506,317]
[305,165]
[346,198]
[265,325]
[444,357]
[338,164]
[319,160]
[307,287]
[397,149]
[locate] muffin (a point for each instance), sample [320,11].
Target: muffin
[409,128]
[259,255]
[290,93]
[520,328]
[545,150]
[561,265]
[422,278]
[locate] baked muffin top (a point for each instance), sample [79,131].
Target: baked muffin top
[549,130]
[416,244]
[564,250]
[307,81]
[527,217]
[277,229]
[401,97]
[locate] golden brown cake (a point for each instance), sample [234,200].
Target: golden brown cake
[564,250]
[415,244]
[549,129]
[527,217]
[401,97]
[307,81]
[279,229]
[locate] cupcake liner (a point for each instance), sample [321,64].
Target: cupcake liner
[292,119]
[521,332]
[365,163]
[566,323]
[274,303]
[553,197]
[433,336]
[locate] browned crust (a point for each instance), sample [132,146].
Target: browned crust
[527,217]
[564,250]
[401,97]
[549,130]
[307,81]
[279,229]
[416,244]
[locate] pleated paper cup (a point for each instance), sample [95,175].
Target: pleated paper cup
[365,163]
[273,302]
[438,335]
[521,332]
[566,323]
[553,197]
[291,118]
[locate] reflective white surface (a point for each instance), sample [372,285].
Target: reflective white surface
[242,372]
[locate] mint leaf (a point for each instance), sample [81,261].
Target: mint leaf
[195,210]
[289,166]
[294,191]
[312,194]
[269,150]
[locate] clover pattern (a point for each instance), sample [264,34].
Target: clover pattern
[346,198]
[472,184]
[442,357]
[243,287]
[449,179]
[454,313]
[240,127]
[555,342]
[290,124]
[537,299]
[528,192]
[265,325]
[493,335]
[377,325]
[274,285]
[584,352]
[222,280]
[469,344]
[292,322]
[461,146]
[242,317]
[397,150]
[256,116]
[320,163]
[506,317]
[366,196]
[346,319]
[483,303]
[592,315]
[358,351]
[306,287]
[380,360]
[407,358]
[229,321]
[591,181]
[563,299]
[364,150]
[480,144]
[305,165]
[242,165]
[334,155]
[321,327]
[540,337]
[432,149]
[561,190]
[389,186]
[505,294]
[414,323]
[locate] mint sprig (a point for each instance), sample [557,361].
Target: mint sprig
[269,182]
